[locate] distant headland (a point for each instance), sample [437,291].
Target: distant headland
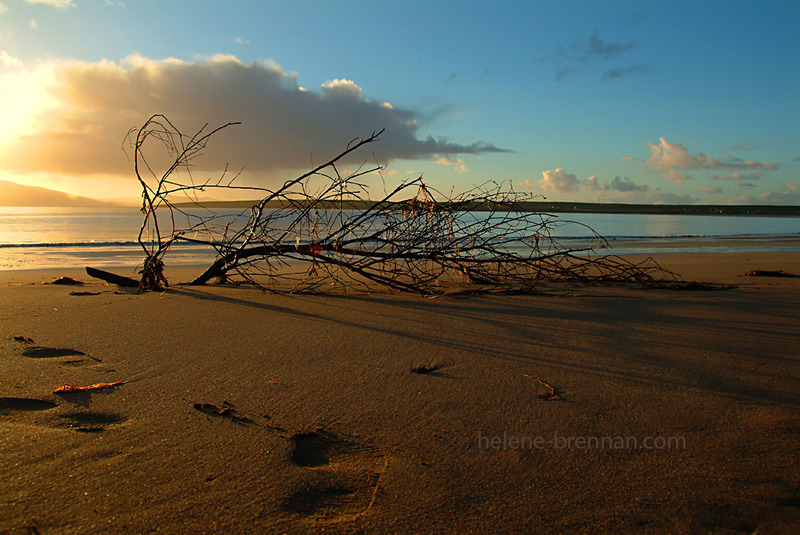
[552,207]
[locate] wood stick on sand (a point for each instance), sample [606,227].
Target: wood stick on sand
[549,395]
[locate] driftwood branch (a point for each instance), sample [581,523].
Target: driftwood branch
[112,278]
[322,232]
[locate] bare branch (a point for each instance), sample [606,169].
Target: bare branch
[321,232]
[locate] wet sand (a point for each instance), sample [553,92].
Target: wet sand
[602,409]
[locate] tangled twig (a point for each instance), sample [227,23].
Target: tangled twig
[321,231]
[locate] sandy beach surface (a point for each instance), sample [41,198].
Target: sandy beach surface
[601,409]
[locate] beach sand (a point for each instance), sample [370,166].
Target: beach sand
[245,412]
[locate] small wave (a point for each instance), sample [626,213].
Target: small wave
[782,236]
[556,237]
[78,244]
[69,244]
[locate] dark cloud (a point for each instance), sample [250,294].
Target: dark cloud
[451,77]
[742,146]
[736,175]
[626,184]
[582,54]
[604,50]
[563,71]
[613,74]
[284,126]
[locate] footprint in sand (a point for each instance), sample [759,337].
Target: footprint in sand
[11,404]
[51,353]
[37,352]
[341,481]
[84,422]
[24,410]
[227,410]
[54,353]
[92,421]
[315,448]
[89,421]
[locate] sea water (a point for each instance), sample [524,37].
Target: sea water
[33,237]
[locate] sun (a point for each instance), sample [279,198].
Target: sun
[25,98]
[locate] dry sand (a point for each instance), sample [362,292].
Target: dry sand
[244,412]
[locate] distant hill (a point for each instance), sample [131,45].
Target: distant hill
[543,206]
[12,194]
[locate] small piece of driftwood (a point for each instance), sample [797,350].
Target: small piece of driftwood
[113,278]
[695,286]
[767,273]
[547,395]
[425,368]
[75,388]
[227,410]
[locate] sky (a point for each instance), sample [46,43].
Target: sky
[613,101]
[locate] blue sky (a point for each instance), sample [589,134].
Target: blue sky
[692,102]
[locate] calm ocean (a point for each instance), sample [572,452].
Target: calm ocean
[75,237]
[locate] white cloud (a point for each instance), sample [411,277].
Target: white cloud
[343,87]
[58,4]
[457,163]
[627,159]
[526,184]
[672,159]
[559,181]
[3,8]
[789,195]
[33,24]
[592,185]
[736,175]
[667,156]
[284,127]
[9,61]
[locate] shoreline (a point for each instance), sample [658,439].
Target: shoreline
[689,265]
[236,410]
[112,259]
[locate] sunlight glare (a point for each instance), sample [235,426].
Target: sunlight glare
[24,97]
